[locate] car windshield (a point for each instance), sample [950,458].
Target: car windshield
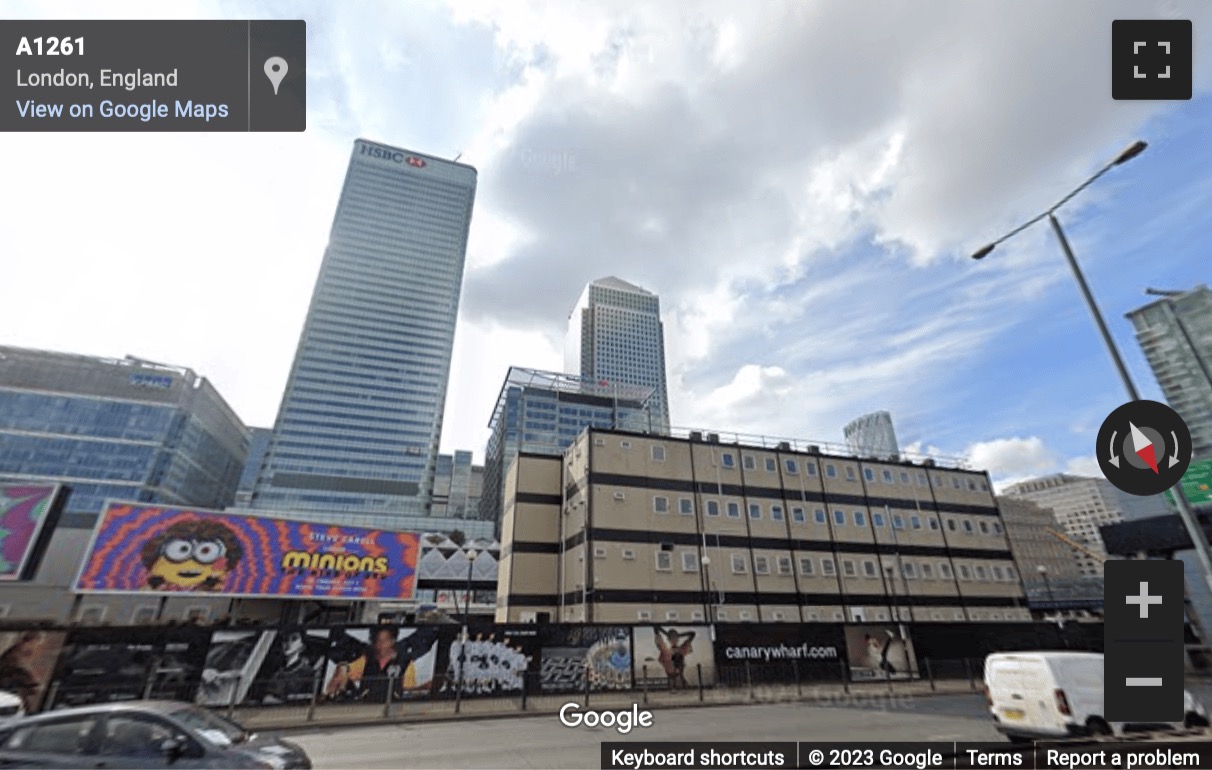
[212,727]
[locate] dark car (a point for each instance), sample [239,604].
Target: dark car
[142,734]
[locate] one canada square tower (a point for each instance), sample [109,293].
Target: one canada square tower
[357,435]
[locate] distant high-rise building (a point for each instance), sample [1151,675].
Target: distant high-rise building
[1082,505]
[117,429]
[457,487]
[258,444]
[543,413]
[1175,334]
[356,439]
[872,435]
[615,335]
[1048,567]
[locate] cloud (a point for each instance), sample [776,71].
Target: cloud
[1083,466]
[800,182]
[1012,456]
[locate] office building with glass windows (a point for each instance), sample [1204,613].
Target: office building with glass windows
[540,412]
[122,429]
[1175,334]
[615,335]
[457,487]
[357,435]
[258,444]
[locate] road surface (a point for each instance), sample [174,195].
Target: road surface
[543,742]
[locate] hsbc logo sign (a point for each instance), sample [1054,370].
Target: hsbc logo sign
[389,153]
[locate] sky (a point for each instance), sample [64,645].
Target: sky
[802,183]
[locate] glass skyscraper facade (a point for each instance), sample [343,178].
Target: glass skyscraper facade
[1175,334]
[615,335]
[120,429]
[872,435]
[543,412]
[356,439]
[457,487]
[258,445]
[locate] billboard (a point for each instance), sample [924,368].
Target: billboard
[1197,483]
[155,548]
[25,524]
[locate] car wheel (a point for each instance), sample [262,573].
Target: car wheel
[1097,726]
[1195,720]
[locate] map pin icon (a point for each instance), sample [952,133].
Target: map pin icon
[275,70]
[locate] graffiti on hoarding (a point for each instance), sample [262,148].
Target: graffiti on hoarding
[570,655]
[155,548]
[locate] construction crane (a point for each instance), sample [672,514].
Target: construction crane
[1163,292]
[1087,550]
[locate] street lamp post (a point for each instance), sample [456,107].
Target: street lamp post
[1043,573]
[471,563]
[1196,532]
[710,604]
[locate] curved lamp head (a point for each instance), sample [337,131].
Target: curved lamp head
[982,253]
[1130,153]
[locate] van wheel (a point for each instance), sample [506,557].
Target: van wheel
[1097,726]
[1195,720]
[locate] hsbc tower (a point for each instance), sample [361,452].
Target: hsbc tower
[357,434]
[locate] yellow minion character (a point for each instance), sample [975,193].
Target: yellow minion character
[193,555]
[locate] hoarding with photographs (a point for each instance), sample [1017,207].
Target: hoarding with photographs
[27,664]
[498,658]
[264,668]
[232,662]
[880,651]
[293,668]
[28,514]
[119,664]
[177,666]
[673,656]
[572,655]
[139,548]
[371,663]
[781,651]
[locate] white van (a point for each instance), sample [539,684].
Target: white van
[1056,694]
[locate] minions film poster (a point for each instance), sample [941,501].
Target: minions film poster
[159,549]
